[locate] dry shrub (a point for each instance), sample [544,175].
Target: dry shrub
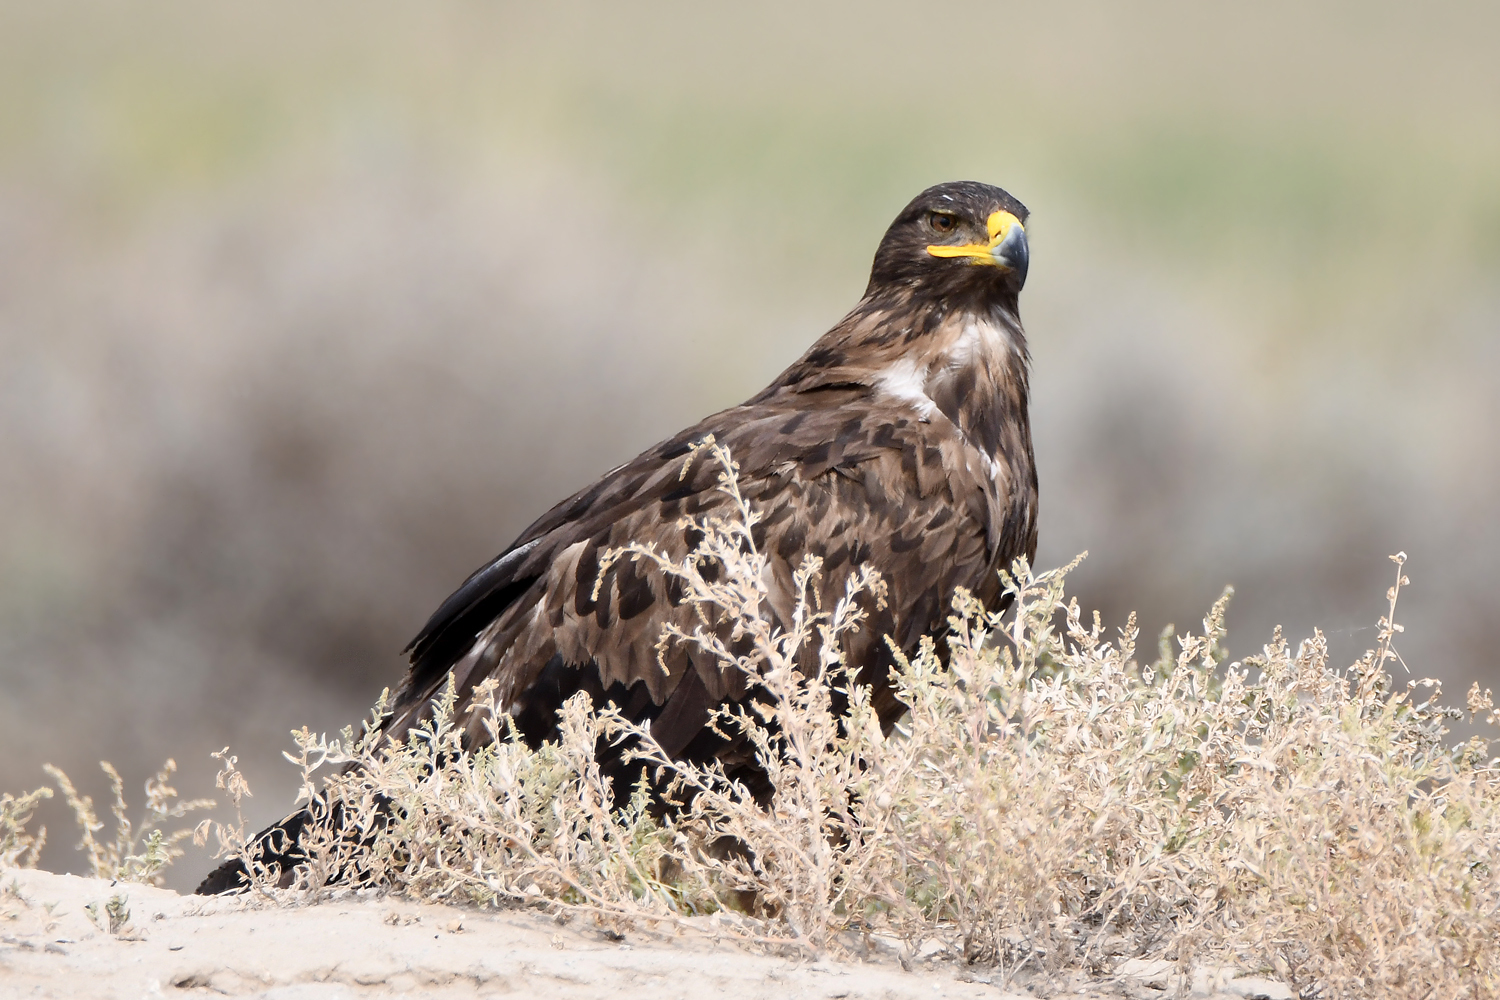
[1050,802]
[19,847]
[139,852]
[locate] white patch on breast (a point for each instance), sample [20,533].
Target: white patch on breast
[905,380]
[978,337]
[969,343]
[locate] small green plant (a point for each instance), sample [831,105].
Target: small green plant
[113,917]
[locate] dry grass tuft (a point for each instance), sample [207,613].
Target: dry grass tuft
[1052,801]
[139,852]
[19,847]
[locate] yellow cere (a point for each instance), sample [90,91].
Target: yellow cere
[999,225]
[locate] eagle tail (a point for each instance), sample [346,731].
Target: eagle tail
[278,847]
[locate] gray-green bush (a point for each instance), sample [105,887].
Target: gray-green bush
[1053,800]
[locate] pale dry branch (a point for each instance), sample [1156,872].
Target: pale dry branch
[1050,801]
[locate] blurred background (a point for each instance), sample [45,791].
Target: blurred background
[307,310]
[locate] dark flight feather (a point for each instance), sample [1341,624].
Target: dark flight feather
[900,439]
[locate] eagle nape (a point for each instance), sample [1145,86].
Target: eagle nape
[901,439]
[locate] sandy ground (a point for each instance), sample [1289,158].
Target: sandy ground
[55,941]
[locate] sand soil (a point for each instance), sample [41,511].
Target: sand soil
[65,936]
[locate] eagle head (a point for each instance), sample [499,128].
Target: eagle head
[957,240]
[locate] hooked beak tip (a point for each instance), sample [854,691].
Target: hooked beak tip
[1013,254]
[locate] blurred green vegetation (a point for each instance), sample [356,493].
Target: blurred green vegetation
[1291,149]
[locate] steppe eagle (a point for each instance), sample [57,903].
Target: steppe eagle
[901,439]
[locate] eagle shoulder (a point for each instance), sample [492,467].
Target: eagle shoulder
[836,472]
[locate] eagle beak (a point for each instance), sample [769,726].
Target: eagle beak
[1006,248]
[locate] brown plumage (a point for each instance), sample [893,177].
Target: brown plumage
[900,439]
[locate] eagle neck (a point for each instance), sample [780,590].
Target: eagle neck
[955,358]
[976,374]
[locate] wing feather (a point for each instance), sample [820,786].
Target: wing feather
[854,484]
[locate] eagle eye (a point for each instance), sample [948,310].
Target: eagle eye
[942,222]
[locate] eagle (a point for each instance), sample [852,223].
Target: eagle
[900,440]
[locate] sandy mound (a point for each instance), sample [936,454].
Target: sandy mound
[55,942]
